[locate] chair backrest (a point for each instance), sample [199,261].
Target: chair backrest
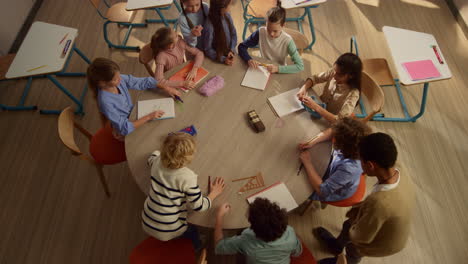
[66,125]
[300,39]
[146,58]
[373,92]
[95,3]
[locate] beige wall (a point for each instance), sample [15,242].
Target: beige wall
[12,16]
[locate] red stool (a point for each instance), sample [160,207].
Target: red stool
[305,258]
[153,251]
[105,149]
[355,198]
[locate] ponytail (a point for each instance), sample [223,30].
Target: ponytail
[219,39]
[277,14]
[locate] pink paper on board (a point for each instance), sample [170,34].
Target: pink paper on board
[421,70]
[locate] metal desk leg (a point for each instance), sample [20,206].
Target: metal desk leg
[73,74]
[423,103]
[79,110]
[20,106]
[163,19]
[311,25]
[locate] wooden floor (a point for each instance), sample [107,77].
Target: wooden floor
[53,209]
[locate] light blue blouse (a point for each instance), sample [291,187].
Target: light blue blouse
[117,107]
[197,19]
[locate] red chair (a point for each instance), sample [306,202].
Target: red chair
[105,149]
[153,251]
[305,258]
[355,198]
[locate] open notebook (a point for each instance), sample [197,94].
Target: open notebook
[285,103]
[277,193]
[256,78]
[182,74]
[147,106]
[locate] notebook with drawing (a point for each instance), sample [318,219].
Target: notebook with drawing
[285,103]
[277,193]
[421,70]
[256,78]
[147,106]
[182,74]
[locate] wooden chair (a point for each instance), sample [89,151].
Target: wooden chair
[356,198]
[117,14]
[153,251]
[300,39]
[104,148]
[374,94]
[5,63]
[147,59]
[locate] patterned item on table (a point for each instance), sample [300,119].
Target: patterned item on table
[254,182]
[255,121]
[313,113]
[189,130]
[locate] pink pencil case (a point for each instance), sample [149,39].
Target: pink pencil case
[211,86]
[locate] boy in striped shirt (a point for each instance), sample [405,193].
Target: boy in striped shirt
[173,189]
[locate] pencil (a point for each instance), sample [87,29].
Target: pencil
[300,169]
[178,98]
[63,38]
[33,69]
[209,184]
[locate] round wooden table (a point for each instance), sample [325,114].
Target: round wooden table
[227,146]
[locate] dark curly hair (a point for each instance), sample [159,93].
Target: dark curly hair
[379,148]
[347,133]
[267,219]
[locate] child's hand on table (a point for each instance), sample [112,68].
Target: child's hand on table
[304,145]
[253,63]
[189,84]
[197,30]
[192,74]
[272,68]
[156,114]
[223,209]
[217,187]
[170,90]
[302,93]
[304,156]
[309,102]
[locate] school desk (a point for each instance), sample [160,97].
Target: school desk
[406,46]
[157,6]
[41,55]
[289,4]
[226,146]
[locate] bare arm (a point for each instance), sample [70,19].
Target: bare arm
[218,232]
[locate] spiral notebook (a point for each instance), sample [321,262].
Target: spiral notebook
[285,103]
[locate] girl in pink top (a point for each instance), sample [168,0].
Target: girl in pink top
[169,50]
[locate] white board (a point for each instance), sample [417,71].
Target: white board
[285,103]
[256,78]
[277,193]
[147,106]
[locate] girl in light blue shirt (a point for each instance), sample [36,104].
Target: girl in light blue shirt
[111,90]
[191,21]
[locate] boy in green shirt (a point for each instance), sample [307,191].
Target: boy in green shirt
[268,240]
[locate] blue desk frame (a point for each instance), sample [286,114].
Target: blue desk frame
[381,117]
[51,77]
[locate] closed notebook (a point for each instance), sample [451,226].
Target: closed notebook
[421,70]
[182,73]
[256,78]
[285,103]
[148,106]
[277,193]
